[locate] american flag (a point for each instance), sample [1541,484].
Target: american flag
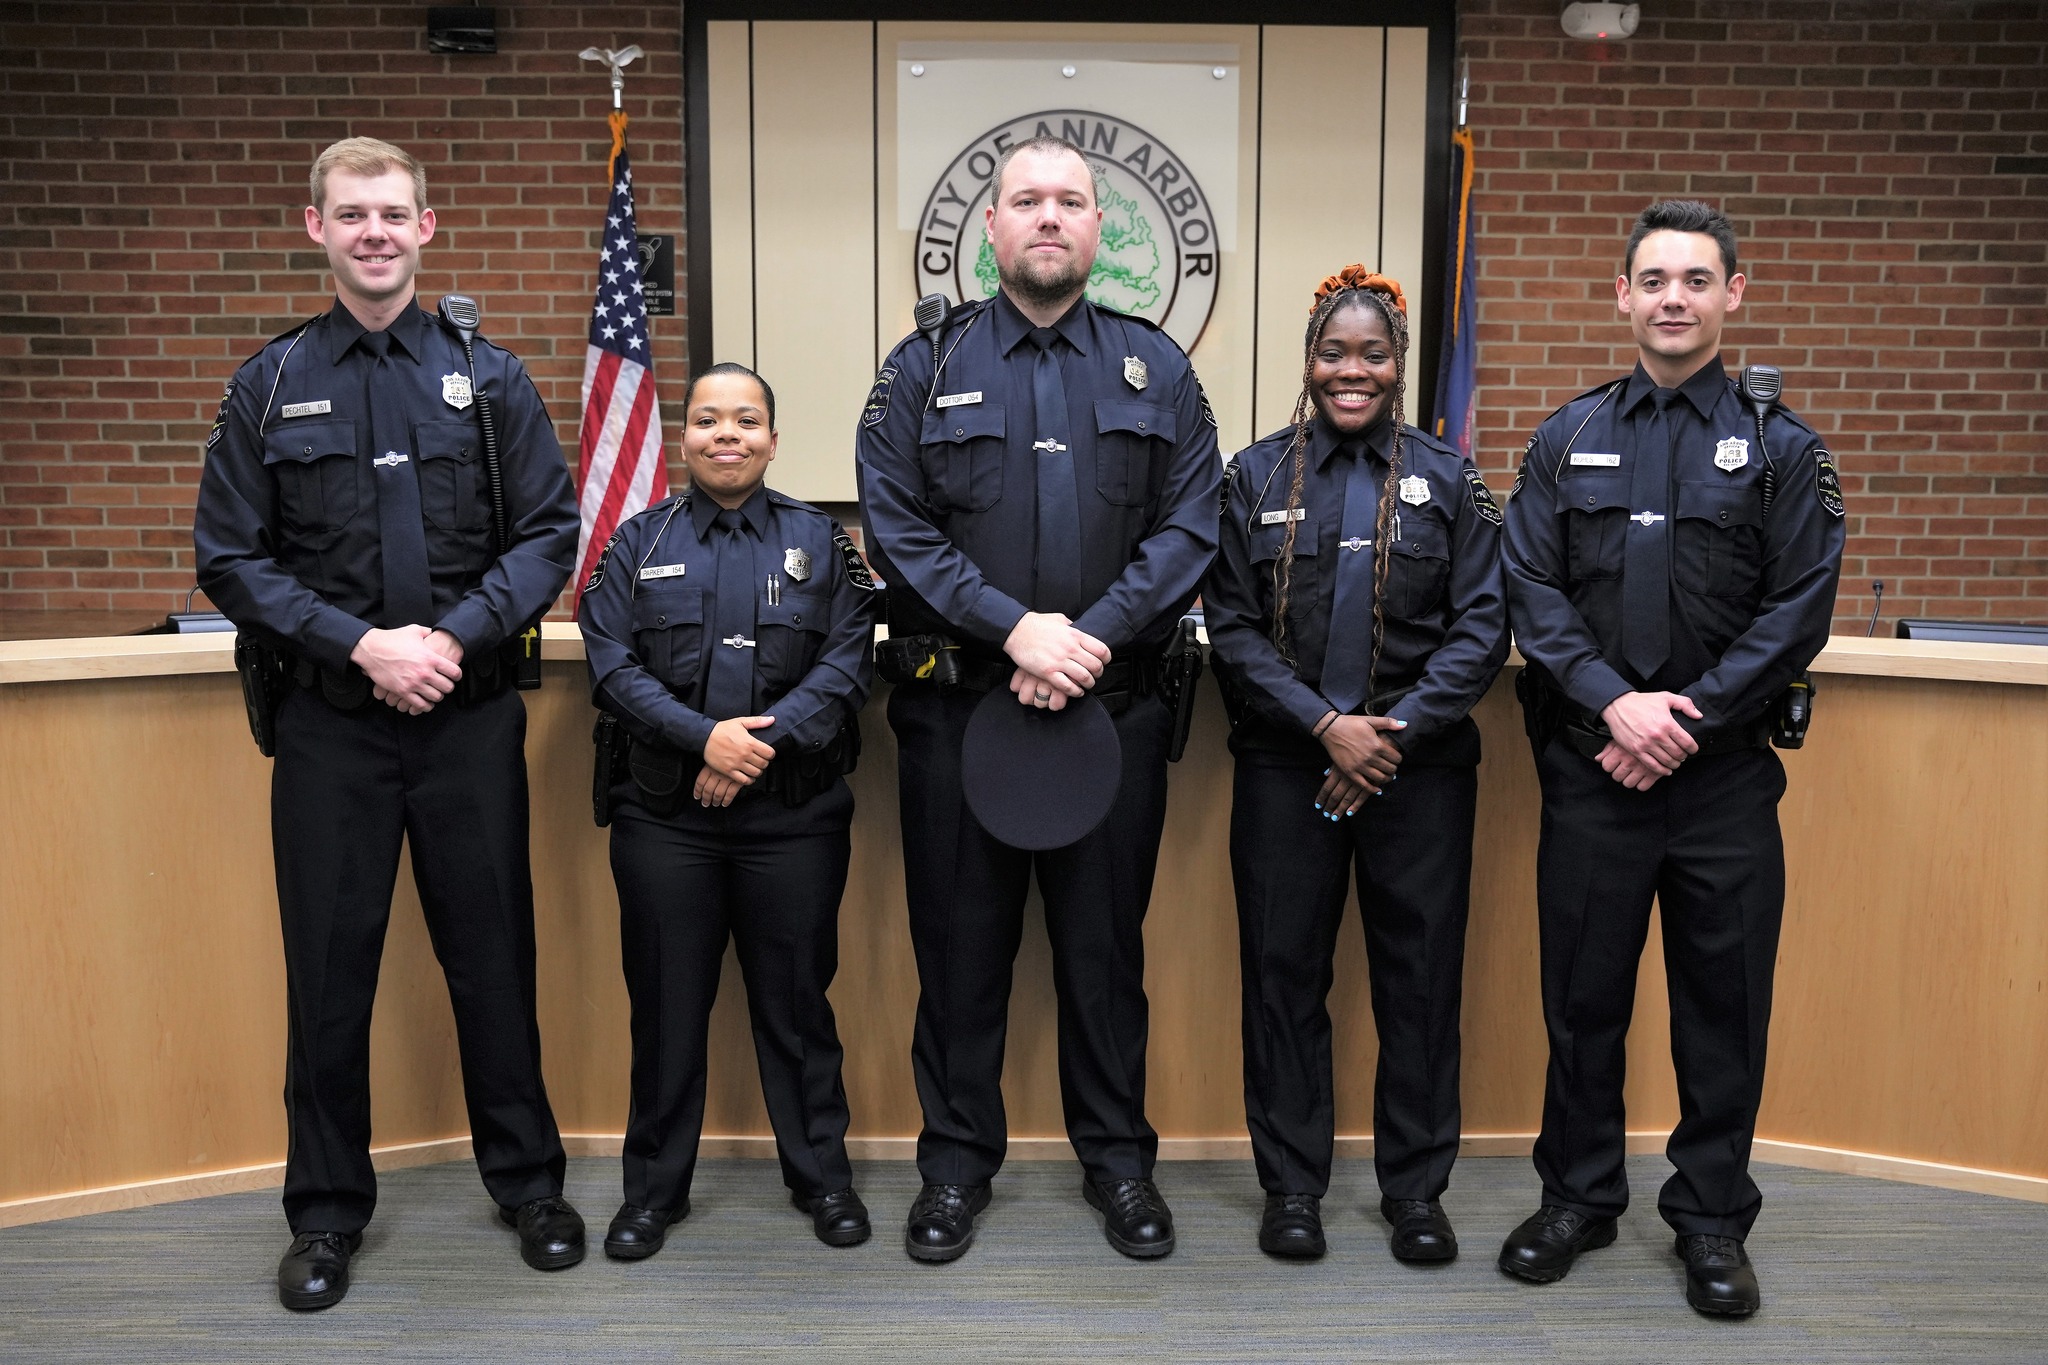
[620,447]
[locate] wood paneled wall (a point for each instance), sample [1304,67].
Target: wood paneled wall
[142,994]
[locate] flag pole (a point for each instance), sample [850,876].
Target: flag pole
[617,61]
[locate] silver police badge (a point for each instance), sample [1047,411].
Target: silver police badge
[797,564]
[1134,372]
[1415,490]
[455,391]
[1731,454]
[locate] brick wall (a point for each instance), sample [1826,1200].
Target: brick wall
[152,234]
[150,238]
[1886,162]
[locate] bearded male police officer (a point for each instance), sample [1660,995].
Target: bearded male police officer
[1041,495]
[344,519]
[1672,552]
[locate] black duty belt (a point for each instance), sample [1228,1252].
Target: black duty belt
[931,661]
[350,689]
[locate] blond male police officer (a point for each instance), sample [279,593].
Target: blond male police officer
[344,519]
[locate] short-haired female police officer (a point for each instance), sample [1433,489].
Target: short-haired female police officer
[1356,613]
[730,632]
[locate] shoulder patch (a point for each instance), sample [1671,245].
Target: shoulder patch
[878,397]
[597,569]
[1209,416]
[1522,470]
[220,418]
[1482,497]
[1826,485]
[856,567]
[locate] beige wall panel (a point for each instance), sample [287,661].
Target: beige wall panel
[1407,163]
[141,982]
[814,283]
[729,133]
[1320,196]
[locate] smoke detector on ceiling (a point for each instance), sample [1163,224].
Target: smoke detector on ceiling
[1597,19]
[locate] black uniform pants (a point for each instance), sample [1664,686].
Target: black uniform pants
[770,878]
[1412,851]
[966,893]
[1705,843]
[347,788]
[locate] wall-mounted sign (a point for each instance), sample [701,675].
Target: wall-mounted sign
[658,273]
[1159,253]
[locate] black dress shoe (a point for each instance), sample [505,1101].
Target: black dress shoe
[1718,1276]
[1135,1218]
[1543,1248]
[1293,1227]
[839,1218]
[1422,1234]
[550,1232]
[637,1233]
[941,1225]
[314,1272]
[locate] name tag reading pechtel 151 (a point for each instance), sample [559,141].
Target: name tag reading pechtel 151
[307,409]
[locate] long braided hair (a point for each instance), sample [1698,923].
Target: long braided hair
[1352,287]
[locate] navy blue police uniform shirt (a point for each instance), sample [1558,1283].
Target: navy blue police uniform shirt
[287,526]
[1751,591]
[949,478]
[649,618]
[1444,605]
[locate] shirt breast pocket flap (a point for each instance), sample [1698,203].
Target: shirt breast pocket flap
[667,629]
[1595,509]
[1419,568]
[314,464]
[451,472]
[963,456]
[1131,442]
[1718,549]
[1268,540]
[790,634]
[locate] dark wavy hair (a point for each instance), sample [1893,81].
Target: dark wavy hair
[1683,215]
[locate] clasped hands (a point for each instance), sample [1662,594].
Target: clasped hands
[1648,744]
[1056,662]
[411,668]
[1363,759]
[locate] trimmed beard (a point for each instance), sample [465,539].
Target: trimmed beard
[1044,289]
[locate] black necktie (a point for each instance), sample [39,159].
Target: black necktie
[1646,560]
[1347,662]
[729,688]
[1059,513]
[401,533]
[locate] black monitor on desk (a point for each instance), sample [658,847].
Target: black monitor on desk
[1973,632]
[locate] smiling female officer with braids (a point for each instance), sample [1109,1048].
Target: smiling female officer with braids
[1356,612]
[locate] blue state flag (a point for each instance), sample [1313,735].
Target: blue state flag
[1456,385]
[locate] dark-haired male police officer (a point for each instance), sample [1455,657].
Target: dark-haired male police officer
[1671,563]
[1047,503]
[344,518]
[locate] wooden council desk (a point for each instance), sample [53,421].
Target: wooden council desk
[142,1020]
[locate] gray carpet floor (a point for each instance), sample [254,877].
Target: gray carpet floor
[1853,1270]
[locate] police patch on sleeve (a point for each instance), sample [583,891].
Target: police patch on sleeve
[220,418]
[1825,484]
[597,569]
[1482,497]
[878,397]
[1522,470]
[856,567]
[1208,413]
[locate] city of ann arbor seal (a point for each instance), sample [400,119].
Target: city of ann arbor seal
[1159,253]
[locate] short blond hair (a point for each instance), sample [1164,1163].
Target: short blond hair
[367,156]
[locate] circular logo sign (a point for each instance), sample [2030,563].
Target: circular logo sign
[1158,255]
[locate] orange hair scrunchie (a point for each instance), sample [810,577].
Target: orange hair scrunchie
[1358,277]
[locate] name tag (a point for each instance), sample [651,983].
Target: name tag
[307,409]
[663,571]
[954,400]
[1593,457]
[1276,518]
